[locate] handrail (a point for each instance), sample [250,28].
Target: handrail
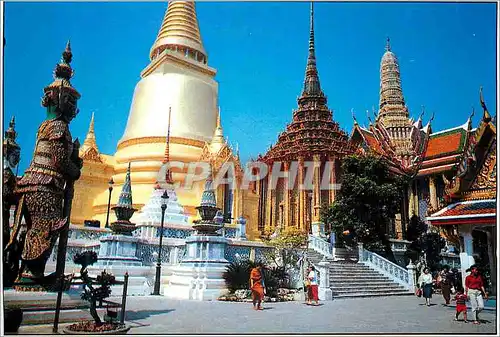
[390,269]
[320,245]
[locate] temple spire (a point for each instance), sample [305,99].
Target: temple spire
[166,159]
[392,104]
[90,140]
[388,44]
[180,32]
[311,82]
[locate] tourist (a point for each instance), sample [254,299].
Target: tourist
[425,281]
[313,279]
[307,285]
[474,288]
[257,287]
[461,298]
[446,284]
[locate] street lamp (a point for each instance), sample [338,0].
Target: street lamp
[164,201]
[110,188]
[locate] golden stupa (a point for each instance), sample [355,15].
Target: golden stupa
[177,78]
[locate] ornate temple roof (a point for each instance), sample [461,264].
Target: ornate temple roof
[180,31]
[476,212]
[89,150]
[312,130]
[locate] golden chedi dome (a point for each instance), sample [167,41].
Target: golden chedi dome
[177,79]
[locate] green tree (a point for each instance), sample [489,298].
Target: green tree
[367,203]
[286,246]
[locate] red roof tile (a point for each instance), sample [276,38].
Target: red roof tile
[446,143]
[482,207]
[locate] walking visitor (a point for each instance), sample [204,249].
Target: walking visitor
[446,284]
[307,285]
[474,288]
[425,281]
[313,279]
[257,287]
[461,298]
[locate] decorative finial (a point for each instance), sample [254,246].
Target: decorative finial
[354,117]
[90,140]
[311,82]
[388,44]
[368,116]
[218,119]
[432,117]
[486,114]
[168,174]
[472,113]
[422,113]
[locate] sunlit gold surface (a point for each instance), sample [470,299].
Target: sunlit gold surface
[186,85]
[179,28]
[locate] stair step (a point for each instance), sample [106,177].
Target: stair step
[361,294]
[369,291]
[362,282]
[361,277]
[368,288]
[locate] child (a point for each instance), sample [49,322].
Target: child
[461,298]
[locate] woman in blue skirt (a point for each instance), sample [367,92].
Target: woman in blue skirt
[425,281]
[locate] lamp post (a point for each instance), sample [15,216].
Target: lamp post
[164,201]
[110,188]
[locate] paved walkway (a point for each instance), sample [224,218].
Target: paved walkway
[158,315]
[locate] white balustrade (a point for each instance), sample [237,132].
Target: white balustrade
[320,245]
[395,272]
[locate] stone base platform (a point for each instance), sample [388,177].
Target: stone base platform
[39,307]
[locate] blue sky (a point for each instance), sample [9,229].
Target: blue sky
[446,51]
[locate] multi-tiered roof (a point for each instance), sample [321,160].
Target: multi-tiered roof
[312,130]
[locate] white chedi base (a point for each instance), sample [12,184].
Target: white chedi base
[199,276]
[118,250]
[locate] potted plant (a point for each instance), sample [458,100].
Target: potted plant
[95,295]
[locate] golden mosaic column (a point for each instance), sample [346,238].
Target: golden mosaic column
[269,203]
[317,194]
[301,219]
[286,196]
[433,192]
[333,180]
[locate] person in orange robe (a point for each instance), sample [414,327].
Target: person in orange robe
[257,288]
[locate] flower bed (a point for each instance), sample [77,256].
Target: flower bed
[90,327]
[243,295]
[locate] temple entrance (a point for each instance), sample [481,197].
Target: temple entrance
[484,255]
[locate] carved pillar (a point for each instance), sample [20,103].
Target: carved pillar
[269,205]
[467,250]
[411,201]
[302,195]
[433,193]
[316,194]
[333,179]
[286,197]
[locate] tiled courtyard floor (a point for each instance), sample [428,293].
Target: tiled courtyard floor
[158,315]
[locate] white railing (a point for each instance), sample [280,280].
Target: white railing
[398,274]
[321,246]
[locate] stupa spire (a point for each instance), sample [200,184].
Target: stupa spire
[392,102]
[180,32]
[90,140]
[166,159]
[125,199]
[388,44]
[311,82]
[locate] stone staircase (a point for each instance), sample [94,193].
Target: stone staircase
[351,279]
